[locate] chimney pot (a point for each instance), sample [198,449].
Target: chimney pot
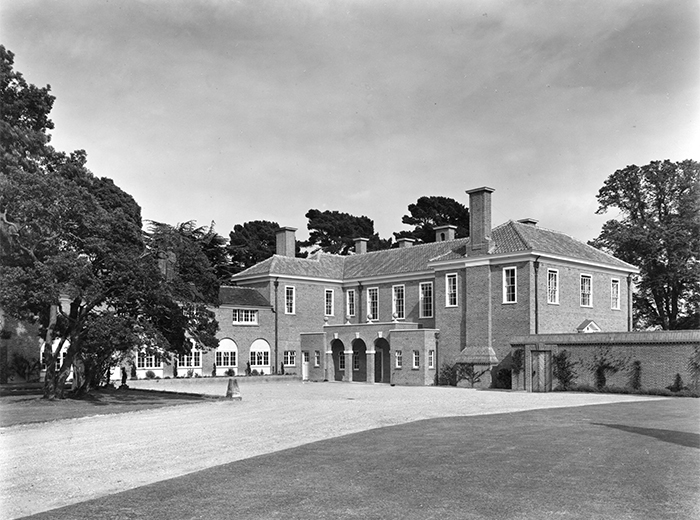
[286,241]
[405,242]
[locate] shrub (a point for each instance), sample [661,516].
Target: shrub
[230,372]
[24,367]
[150,374]
[635,380]
[254,372]
[447,375]
[190,372]
[604,364]
[694,368]
[677,385]
[503,379]
[282,368]
[517,361]
[564,370]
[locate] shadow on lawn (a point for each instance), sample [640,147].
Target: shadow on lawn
[690,440]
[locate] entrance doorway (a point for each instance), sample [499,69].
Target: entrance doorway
[541,371]
[382,366]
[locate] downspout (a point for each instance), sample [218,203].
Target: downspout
[359,303]
[274,310]
[629,303]
[537,299]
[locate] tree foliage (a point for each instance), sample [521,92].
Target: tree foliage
[658,230]
[334,232]
[251,243]
[73,255]
[433,211]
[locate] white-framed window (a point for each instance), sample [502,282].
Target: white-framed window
[552,286]
[329,310]
[350,302]
[260,353]
[341,361]
[227,353]
[290,300]
[373,303]
[586,290]
[615,294]
[290,357]
[431,359]
[510,287]
[416,359]
[399,358]
[317,358]
[398,302]
[259,358]
[244,316]
[305,356]
[426,299]
[451,290]
[355,360]
[193,359]
[143,361]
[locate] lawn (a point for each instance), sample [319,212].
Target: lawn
[638,460]
[27,406]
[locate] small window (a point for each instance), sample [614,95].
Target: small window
[355,360]
[373,303]
[510,291]
[225,358]
[615,294]
[416,359]
[289,299]
[451,290]
[244,317]
[341,361]
[399,358]
[586,290]
[317,358]
[290,357]
[329,302]
[426,300]
[350,302]
[398,307]
[259,358]
[431,359]
[552,286]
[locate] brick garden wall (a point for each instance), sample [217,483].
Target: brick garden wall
[662,354]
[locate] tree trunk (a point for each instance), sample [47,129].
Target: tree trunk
[49,378]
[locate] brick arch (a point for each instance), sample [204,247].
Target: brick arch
[382,361]
[337,354]
[359,355]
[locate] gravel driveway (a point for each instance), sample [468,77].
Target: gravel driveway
[48,465]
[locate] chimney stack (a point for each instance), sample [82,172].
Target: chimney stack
[405,242]
[286,241]
[480,218]
[444,233]
[361,245]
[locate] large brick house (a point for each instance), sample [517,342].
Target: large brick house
[395,316]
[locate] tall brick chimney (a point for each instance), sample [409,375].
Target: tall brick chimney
[444,233]
[361,245]
[286,241]
[480,218]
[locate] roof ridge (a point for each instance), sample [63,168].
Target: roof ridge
[520,235]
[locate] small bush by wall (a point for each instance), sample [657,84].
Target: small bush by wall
[564,369]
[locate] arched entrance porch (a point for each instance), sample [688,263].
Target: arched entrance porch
[359,360]
[338,357]
[382,361]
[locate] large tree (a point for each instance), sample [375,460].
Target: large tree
[251,243]
[430,212]
[658,230]
[73,257]
[335,232]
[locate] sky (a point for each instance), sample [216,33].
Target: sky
[232,111]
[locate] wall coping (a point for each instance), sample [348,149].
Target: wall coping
[658,337]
